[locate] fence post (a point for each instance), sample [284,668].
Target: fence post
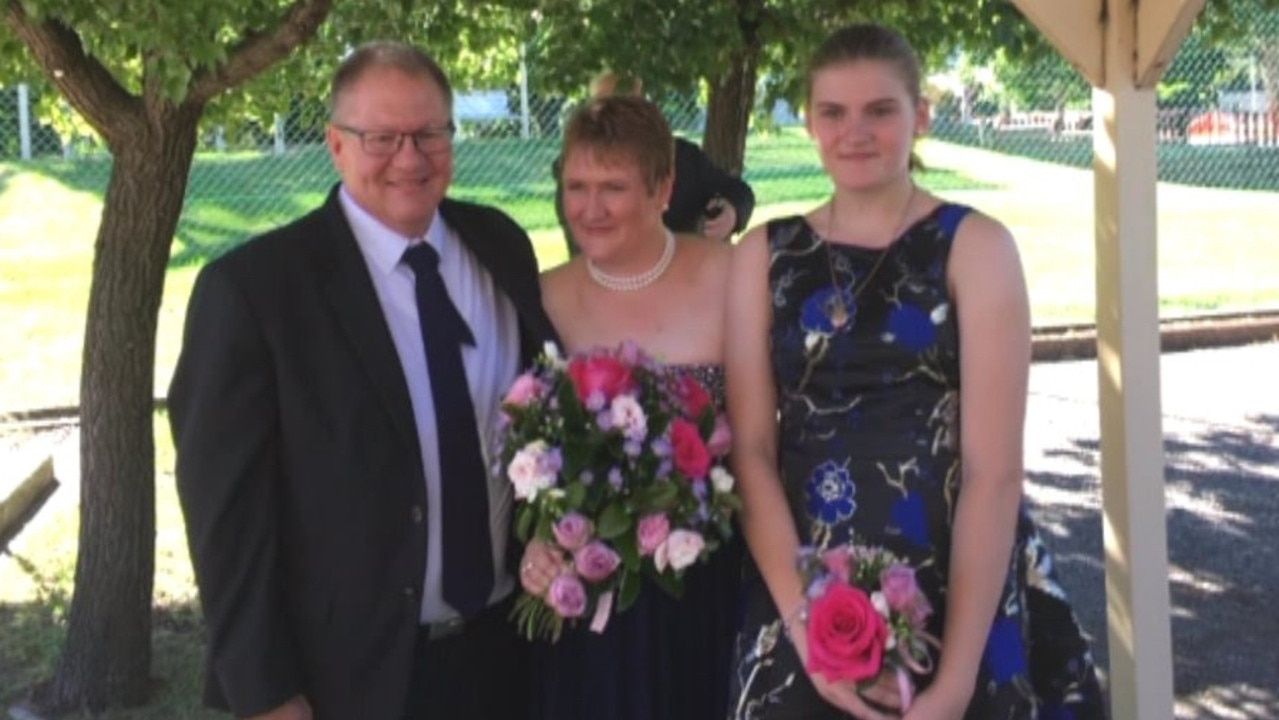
[24,120]
[524,123]
[279,134]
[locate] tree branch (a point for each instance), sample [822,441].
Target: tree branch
[90,88]
[258,51]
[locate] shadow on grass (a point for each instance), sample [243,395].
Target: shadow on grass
[34,632]
[1222,514]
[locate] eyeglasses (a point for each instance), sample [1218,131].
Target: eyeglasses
[384,143]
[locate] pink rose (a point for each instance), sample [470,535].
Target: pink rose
[567,596]
[572,531]
[721,439]
[692,396]
[846,635]
[690,454]
[652,532]
[601,374]
[595,561]
[838,563]
[524,390]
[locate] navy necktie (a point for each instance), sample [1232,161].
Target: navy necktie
[464,516]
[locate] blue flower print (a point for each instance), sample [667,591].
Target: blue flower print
[830,493]
[816,313]
[1005,656]
[912,328]
[910,518]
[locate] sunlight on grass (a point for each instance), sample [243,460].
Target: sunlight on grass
[1212,241]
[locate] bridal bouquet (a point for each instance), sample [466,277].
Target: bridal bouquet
[618,462]
[865,609]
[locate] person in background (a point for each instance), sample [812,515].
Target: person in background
[705,200]
[335,379]
[877,393]
[636,281]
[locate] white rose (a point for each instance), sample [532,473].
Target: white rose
[683,548]
[721,480]
[552,352]
[529,471]
[627,416]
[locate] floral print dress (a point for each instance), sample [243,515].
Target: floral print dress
[869,451]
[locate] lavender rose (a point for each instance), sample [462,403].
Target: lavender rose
[595,561]
[572,531]
[567,596]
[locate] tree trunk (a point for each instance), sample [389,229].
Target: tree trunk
[732,97]
[106,660]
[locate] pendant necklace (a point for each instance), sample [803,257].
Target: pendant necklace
[837,310]
[631,283]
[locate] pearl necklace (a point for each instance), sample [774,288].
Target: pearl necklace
[631,283]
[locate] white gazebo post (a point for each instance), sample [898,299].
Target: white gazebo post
[1122,47]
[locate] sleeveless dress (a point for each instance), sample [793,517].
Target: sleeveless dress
[663,658]
[869,451]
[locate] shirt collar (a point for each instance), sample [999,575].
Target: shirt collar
[383,246]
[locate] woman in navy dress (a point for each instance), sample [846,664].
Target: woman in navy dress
[877,393]
[662,658]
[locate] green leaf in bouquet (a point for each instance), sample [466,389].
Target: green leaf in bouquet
[706,423]
[614,521]
[574,495]
[657,496]
[524,522]
[571,408]
[670,583]
[627,546]
[545,526]
[627,591]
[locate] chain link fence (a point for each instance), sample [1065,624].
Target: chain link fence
[1218,126]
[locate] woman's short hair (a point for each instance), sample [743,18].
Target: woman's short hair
[627,128]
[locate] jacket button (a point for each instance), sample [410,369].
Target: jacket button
[409,592]
[416,515]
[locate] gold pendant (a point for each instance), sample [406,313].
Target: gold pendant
[838,314]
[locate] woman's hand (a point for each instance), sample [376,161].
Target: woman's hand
[844,694]
[542,563]
[938,702]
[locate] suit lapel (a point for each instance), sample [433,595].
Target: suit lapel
[353,301]
[488,247]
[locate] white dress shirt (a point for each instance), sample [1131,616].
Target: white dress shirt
[491,366]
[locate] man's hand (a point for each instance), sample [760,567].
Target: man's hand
[296,709]
[721,218]
[541,564]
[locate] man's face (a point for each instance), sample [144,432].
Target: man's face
[402,189]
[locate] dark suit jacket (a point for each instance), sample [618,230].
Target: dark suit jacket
[298,465]
[697,181]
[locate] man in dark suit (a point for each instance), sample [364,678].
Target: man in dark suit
[316,455]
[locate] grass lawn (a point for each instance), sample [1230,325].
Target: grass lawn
[36,580]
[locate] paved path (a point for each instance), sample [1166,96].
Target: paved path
[1221,429]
